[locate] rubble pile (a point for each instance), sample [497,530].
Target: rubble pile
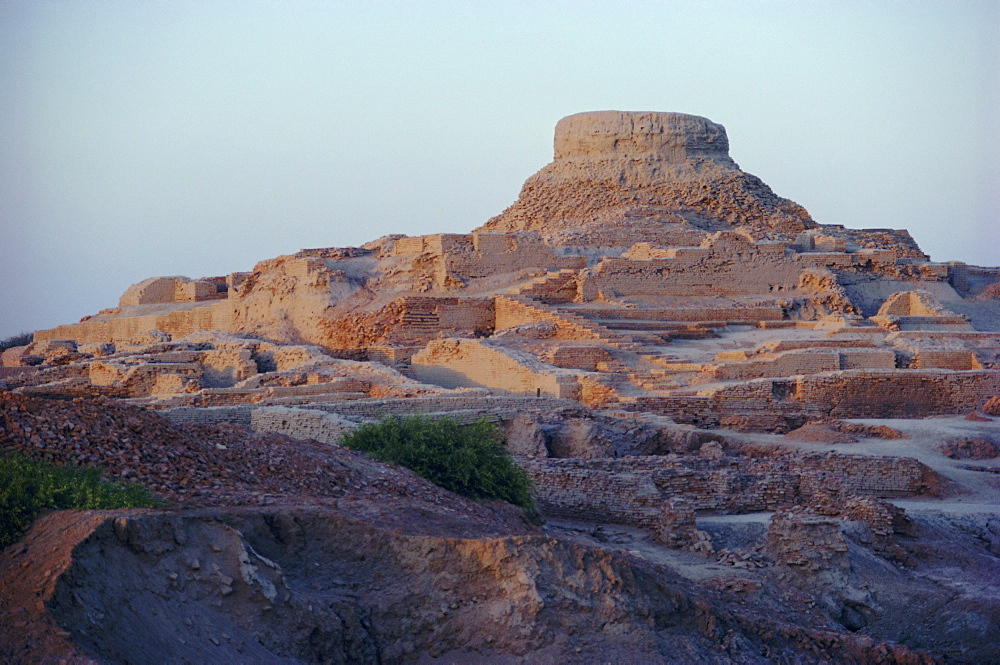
[202,465]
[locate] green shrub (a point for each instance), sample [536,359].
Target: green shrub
[29,488]
[21,339]
[465,459]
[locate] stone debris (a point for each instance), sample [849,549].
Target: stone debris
[203,465]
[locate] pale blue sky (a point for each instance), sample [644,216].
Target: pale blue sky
[197,138]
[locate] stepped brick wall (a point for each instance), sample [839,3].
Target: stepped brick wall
[426,316]
[513,310]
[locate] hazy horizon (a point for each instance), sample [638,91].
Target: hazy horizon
[198,138]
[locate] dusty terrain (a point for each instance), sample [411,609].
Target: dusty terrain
[306,552]
[754,438]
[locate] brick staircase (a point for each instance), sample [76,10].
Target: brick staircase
[420,314]
[655,379]
[542,288]
[578,325]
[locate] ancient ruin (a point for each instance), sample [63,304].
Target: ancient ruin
[689,366]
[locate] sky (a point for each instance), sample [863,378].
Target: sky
[197,138]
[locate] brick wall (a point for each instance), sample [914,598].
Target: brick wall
[190,415]
[460,257]
[300,423]
[725,264]
[630,490]
[218,315]
[869,393]
[897,394]
[454,363]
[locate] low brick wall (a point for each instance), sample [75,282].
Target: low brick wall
[630,490]
[869,393]
[372,408]
[300,423]
[213,415]
[454,363]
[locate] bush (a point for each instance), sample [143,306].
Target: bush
[21,339]
[465,459]
[29,487]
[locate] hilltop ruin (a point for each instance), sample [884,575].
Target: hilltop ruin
[662,339]
[640,270]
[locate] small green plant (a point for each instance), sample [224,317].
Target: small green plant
[29,488]
[20,339]
[465,459]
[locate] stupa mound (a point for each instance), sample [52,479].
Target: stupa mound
[666,176]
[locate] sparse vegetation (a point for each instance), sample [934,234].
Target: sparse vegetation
[465,459]
[20,339]
[29,488]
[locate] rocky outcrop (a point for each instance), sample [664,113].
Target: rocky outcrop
[664,177]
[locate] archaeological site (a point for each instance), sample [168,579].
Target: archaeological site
[752,437]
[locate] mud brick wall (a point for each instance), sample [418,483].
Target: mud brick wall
[867,359]
[957,359]
[190,415]
[896,394]
[423,316]
[487,254]
[883,477]
[685,409]
[789,363]
[868,393]
[725,265]
[578,357]
[684,314]
[300,423]
[456,363]
[598,490]
[218,315]
[371,408]
[630,490]
[339,385]
[825,260]
[198,290]
[808,361]
[461,257]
